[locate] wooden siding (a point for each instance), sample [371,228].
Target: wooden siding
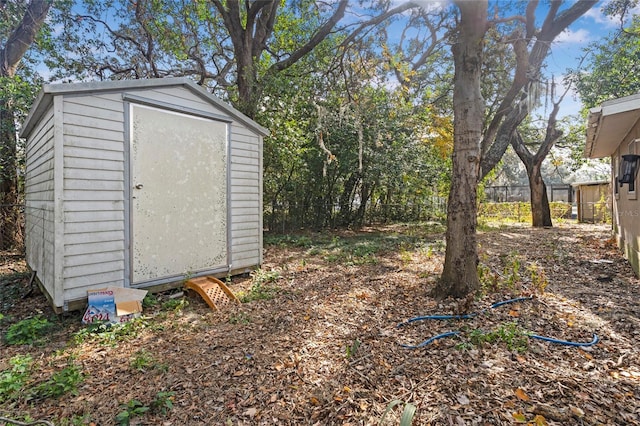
[39,201]
[94,216]
[178,96]
[245,198]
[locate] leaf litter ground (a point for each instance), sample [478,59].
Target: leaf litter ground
[325,349]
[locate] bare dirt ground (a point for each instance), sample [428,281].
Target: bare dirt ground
[326,349]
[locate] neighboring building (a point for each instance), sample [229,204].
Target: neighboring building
[593,201]
[613,130]
[138,184]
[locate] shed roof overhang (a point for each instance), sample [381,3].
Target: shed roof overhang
[609,124]
[45,98]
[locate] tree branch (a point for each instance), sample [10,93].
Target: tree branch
[320,35]
[23,36]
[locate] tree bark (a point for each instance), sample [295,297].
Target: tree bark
[459,277]
[11,54]
[540,210]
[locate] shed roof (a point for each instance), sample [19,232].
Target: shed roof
[45,97]
[609,124]
[591,183]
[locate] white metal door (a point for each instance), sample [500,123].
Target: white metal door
[178,194]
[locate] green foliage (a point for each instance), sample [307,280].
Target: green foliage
[162,403]
[150,301]
[511,271]
[61,382]
[144,360]
[539,280]
[111,334]
[131,409]
[76,420]
[612,62]
[350,252]
[262,287]
[28,331]
[12,381]
[288,240]
[517,212]
[175,305]
[408,412]
[509,280]
[602,209]
[510,334]
[352,348]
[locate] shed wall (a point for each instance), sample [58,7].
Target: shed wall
[39,201]
[93,193]
[246,198]
[92,199]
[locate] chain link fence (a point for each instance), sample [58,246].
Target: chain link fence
[292,216]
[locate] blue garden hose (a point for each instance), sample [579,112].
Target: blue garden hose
[464,316]
[437,317]
[504,302]
[471,315]
[426,342]
[566,342]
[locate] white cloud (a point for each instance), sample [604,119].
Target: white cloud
[570,36]
[609,22]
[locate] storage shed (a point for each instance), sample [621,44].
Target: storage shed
[138,184]
[593,200]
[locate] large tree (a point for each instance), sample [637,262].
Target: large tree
[19,26]
[475,152]
[521,143]
[233,46]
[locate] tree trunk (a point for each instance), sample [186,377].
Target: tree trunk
[11,54]
[459,277]
[540,210]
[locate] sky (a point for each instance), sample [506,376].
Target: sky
[568,47]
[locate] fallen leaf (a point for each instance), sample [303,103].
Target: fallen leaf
[587,355]
[540,420]
[463,399]
[314,401]
[521,394]
[519,417]
[576,411]
[251,412]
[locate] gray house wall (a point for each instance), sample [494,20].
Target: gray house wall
[83,239]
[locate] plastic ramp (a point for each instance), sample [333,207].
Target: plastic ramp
[213,291]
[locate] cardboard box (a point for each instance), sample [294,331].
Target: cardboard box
[113,305]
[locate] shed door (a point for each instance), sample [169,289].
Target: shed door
[178,194]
